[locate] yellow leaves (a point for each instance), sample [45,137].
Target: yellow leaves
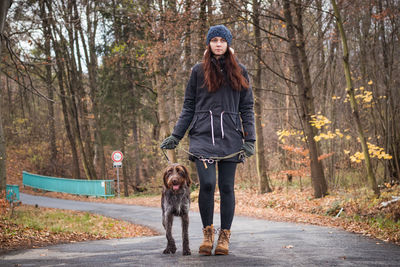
[362,95]
[377,152]
[318,121]
[119,48]
[20,121]
[357,157]
[325,136]
[365,96]
[335,97]
[348,137]
[286,133]
[338,133]
[374,152]
[346,151]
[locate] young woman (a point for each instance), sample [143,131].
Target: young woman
[218,113]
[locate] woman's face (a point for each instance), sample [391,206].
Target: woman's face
[218,46]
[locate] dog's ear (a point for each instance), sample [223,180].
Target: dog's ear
[165,177]
[187,176]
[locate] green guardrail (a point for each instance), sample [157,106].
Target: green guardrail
[102,188]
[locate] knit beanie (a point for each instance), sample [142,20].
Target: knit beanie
[219,31]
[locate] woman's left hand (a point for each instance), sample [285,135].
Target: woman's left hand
[248,148]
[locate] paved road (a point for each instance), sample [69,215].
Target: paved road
[253,243]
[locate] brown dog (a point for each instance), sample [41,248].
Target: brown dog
[175,201]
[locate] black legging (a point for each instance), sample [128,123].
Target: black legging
[226,181]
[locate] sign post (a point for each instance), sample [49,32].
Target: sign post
[117,158]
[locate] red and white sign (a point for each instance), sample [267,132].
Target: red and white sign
[117,156]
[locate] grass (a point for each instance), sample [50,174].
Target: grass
[57,220]
[34,227]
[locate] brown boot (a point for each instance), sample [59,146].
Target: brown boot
[208,241]
[223,242]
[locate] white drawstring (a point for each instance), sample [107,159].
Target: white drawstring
[212,127]
[222,125]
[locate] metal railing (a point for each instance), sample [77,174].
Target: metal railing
[101,188]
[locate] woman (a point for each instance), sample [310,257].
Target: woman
[218,112]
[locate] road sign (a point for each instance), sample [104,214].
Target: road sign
[117,156]
[117,164]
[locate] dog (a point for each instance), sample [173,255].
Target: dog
[175,201]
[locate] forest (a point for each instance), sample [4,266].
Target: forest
[82,78]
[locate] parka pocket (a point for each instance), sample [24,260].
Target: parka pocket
[234,123]
[191,125]
[200,125]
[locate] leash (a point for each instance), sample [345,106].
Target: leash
[209,160]
[165,154]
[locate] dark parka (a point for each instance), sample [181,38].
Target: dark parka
[218,122]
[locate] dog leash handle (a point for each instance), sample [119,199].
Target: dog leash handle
[165,154]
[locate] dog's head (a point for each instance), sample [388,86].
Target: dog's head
[176,176]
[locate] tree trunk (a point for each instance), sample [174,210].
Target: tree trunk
[202,30]
[91,59]
[162,111]
[50,92]
[353,102]
[125,175]
[188,65]
[61,81]
[260,148]
[4,6]
[75,91]
[162,94]
[306,103]
[390,121]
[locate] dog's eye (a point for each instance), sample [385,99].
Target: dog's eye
[169,171]
[181,172]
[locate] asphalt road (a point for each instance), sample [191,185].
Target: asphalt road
[254,242]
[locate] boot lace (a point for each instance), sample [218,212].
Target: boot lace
[223,235]
[208,233]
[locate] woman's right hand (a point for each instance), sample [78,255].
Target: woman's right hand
[170,142]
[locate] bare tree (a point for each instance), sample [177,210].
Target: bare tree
[303,82]
[4,6]
[353,102]
[264,185]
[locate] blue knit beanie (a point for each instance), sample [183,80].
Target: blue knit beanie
[219,31]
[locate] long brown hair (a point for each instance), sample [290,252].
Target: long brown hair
[213,78]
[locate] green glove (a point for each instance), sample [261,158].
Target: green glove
[248,148]
[170,142]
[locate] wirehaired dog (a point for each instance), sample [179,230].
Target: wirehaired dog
[175,201]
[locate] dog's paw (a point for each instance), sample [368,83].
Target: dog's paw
[186,252]
[170,250]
